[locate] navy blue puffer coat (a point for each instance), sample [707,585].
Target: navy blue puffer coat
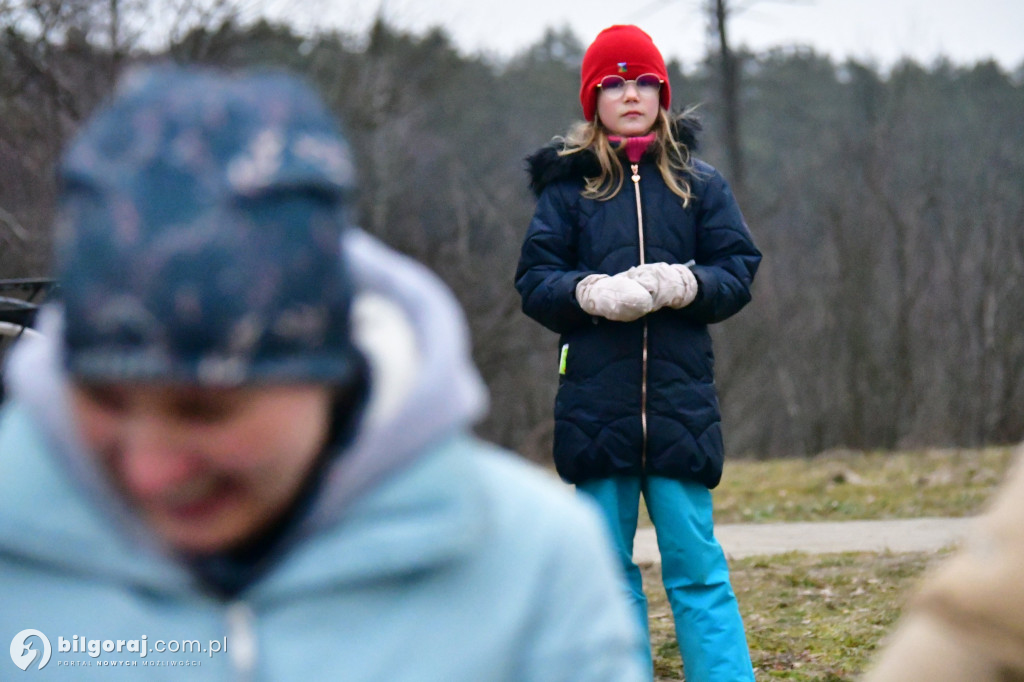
[621,410]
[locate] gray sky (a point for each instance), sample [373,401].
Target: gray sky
[879,31]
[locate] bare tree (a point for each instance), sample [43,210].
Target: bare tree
[729,74]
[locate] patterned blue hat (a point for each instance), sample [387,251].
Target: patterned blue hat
[198,234]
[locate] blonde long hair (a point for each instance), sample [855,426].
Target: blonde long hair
[673,158]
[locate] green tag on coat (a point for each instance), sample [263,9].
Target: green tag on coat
[561,361]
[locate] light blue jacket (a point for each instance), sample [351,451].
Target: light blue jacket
[430,555]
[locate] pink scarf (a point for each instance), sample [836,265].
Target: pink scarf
[635,146]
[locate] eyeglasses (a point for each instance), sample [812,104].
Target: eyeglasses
[615,86]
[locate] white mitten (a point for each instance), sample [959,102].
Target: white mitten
[616,298]
[673,285]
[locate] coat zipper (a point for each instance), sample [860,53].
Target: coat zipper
[643,380]
[241,640]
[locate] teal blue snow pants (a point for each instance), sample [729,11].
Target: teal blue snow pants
[694,571]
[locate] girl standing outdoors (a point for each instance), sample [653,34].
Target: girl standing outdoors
[634,249]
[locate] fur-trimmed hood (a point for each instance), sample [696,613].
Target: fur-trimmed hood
[545,166]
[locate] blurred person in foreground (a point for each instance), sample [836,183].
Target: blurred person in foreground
[965,623]
[247,422]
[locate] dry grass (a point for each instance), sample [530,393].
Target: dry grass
[807,617]
[853,485]
[846,485]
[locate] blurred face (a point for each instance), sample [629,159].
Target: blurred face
[629,108]
[206,468]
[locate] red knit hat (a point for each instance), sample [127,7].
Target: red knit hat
[621,50]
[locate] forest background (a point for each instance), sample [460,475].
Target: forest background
[889,205]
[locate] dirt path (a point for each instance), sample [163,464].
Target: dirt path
[753,539]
